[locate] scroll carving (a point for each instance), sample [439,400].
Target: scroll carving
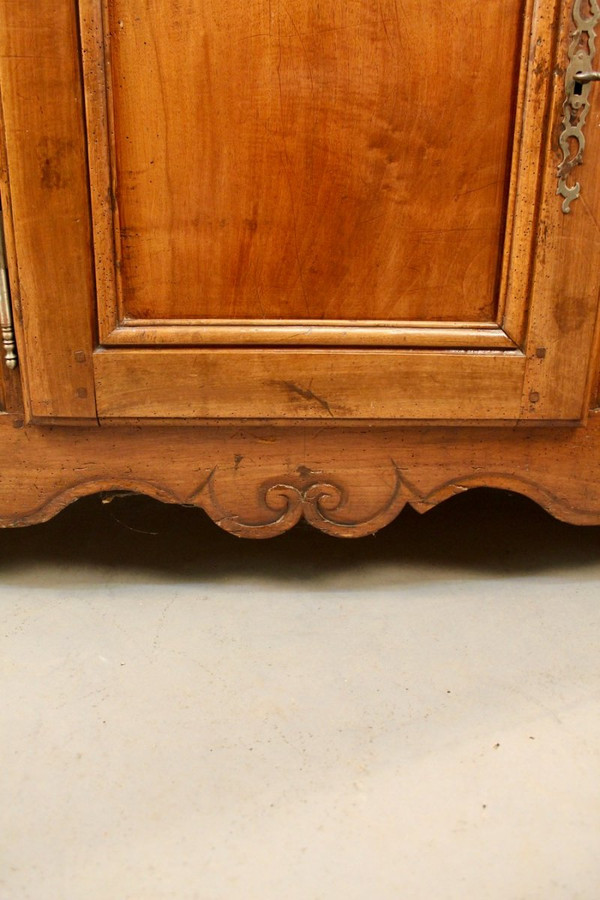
[321,504]
[259,483]
[280,506]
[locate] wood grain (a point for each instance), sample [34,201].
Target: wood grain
[307,384]
[258,482]
[43,107]
[563,336]
[562,331]
[340,160]
[459,335]
[11,395]
[45,151]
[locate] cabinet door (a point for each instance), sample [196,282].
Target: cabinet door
[336,210]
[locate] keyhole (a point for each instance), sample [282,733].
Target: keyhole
[578,89]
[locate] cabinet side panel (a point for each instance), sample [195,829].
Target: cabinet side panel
[45,148]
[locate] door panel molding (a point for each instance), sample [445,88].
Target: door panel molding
[514,263]
[458,335]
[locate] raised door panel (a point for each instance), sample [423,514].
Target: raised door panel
[332,173]
[310,161]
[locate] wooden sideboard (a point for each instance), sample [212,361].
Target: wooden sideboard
[299,259]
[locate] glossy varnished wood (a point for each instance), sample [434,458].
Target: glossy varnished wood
[322,161]
[157,236]
[526,112]
[531,361]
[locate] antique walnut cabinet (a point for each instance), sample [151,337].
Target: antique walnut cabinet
[284,258]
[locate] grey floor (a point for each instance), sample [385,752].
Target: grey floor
[408,717]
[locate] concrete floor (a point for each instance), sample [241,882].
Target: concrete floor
[408,717]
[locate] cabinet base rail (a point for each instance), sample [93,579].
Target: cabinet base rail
[258,482]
